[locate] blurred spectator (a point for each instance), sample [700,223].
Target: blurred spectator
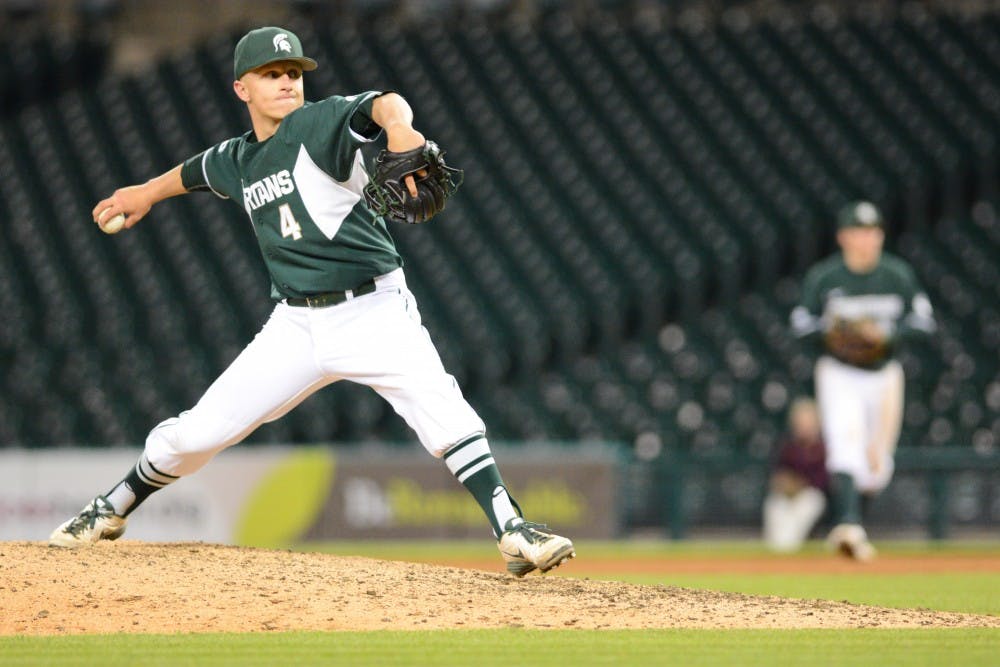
[799,483]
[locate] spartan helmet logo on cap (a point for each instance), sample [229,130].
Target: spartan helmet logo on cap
[859,214]
[866,214]
[267,45]
[281,43]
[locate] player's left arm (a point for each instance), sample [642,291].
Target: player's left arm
[393,114]
[335,128]
[806,318]
[918,317]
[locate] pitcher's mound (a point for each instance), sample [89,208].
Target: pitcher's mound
[153,588]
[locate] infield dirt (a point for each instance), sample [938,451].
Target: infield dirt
[193,587]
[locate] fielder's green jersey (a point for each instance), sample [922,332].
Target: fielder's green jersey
[889,296]
[302,189]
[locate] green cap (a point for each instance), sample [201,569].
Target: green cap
[859,214]
[267,45]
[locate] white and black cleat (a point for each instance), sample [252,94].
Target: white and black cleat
[527,546]
[95,522]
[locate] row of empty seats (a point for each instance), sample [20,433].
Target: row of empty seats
[639,206]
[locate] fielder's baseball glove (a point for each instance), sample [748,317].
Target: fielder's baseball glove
[861,343]
[387,195]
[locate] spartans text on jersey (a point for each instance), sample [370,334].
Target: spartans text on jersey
[267,189]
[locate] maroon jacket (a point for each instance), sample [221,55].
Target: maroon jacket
[806,459]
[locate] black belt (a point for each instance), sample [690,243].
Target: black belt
[332,298]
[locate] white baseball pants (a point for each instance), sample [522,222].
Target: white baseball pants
[375,339]
[860,410]
[788,519]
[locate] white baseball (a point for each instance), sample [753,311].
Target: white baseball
[114,225]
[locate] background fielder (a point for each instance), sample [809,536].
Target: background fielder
[343,309]
[860,304]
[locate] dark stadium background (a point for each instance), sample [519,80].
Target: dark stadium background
[646,183]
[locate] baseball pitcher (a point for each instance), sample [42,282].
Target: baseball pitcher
[343,310]
[859,305]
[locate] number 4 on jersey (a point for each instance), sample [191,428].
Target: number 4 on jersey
[289,226]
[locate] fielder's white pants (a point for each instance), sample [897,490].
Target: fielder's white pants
[788,519]
[375,339]
[860,409]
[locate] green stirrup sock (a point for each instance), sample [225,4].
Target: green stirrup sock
[472,464]
[846,500]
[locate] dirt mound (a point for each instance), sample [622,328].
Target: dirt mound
[141,587]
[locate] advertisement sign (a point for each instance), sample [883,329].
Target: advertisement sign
[417,497]
[282,496]
[40,489]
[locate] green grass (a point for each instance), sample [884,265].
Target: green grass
[485,648]
[977,593]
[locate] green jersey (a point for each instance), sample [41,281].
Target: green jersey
[888,296]
[302,189]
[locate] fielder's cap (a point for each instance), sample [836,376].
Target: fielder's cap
[859,214]
[267,45]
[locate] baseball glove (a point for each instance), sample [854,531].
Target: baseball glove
[387,195]
[860,342]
